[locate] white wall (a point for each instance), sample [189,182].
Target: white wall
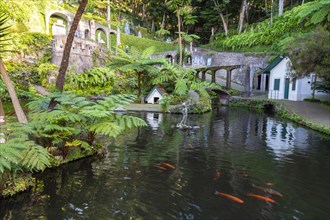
[278,72]
[154,94]
[303,85]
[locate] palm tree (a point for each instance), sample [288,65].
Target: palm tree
[137,61]
[17,106]
[67,50]
[177,6]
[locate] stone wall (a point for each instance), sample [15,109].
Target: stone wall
[202,57]
[254,60]
[81,57]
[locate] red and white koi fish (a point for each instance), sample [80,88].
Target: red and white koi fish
[261,197]
[268,190]
[234,198]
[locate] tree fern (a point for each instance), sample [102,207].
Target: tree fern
[35,157]
[21,152]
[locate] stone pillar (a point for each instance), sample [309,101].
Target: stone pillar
[247,85]
[203,75]
[197,75]
[263,83]
[228,79]
[213,76]
[108,40]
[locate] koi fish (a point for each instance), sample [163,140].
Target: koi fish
[268,190]
[160,167]
[269,184]
[229,197]
[168,165]
[261,197]
[217,174]
[243,174]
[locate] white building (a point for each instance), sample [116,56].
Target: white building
[155,94]
[284,86]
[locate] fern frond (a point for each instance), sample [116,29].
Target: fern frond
[181,87]
[36,157]
[107,128]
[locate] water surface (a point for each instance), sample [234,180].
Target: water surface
[235,152]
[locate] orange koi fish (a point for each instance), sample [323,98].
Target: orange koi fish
[261,197]
[230,197]
[268,190]
[160,167]
[168,165]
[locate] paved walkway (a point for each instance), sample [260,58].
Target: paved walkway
[311,111]
[143,107]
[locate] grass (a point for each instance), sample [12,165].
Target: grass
[143,43]
[255,49]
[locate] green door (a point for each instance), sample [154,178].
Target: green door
[286,88]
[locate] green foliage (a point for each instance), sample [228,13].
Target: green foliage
[19,152]
[97,81]
[23,74]
[138,62]
[76,118]
[15,185]
[264,34]
[3,90]
[143,43]
[183,80]
[3,32]
[315,12]
[29,43]
[310,53]
[45,70]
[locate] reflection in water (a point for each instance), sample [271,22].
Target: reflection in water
[236,152]
[281,138]
[154,119]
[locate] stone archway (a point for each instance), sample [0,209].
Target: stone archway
[61,23]
[112,39]
[101,36]
[169,57]
[87,34]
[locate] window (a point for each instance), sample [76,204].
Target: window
[276,84]
[294,84]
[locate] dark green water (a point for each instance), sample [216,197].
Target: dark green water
[235,152]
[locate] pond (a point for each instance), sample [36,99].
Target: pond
[159,172]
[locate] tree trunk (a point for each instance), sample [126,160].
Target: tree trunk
[223,20]
[180,38]
[241,17]
[153,25]
[2,114]
[314,87]
[109,23]
[271,12]
[67,50]
[280,7]
[2,122]
[143,11]
[139,84]
[17,106]
[224,23]
[162,26]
